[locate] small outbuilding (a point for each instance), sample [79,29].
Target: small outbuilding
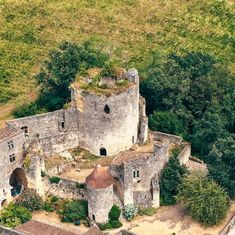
[100,194]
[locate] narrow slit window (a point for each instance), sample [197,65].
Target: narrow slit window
[12,157]
[106,109]
[10,144]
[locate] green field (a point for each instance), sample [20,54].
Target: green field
[130,30]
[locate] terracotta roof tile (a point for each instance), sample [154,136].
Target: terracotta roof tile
[94,231]
[99,178]
[34,227]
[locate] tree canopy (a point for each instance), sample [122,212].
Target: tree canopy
[205,200]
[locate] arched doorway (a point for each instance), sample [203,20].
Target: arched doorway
[4,203]
[18,181]
[103,152]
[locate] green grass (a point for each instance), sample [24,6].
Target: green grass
[130,30]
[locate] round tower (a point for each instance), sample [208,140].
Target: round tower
[108,113]
[100,194]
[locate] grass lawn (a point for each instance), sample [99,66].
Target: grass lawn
[130,30]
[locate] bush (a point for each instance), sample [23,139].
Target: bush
[75,210]
[115,223]
[104,226]
[54,180]
[48,208]
[205,200]
[80,185]
[130,211]
[14,215]
[114,213]
[30,200]
[54,199]
[147,211]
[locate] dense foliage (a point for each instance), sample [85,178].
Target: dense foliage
[221,161]
[114,213]
[205,200]
[14,215]
[30,200]
[75,211]
[192,96]
[58,72]
[171,177]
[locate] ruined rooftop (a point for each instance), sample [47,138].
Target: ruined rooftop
[129,155]
[106,82]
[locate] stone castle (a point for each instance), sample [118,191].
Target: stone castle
[107,122]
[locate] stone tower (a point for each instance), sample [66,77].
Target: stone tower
[100,194]
[108,118]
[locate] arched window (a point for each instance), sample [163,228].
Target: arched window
[106,109]
[103,152]
[136,173]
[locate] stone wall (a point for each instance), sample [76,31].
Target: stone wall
[65,189]
[185,154]
[6,166]
[56,130]
[164,137]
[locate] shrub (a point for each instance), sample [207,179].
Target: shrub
[130,211]
[54,180]
[104,226]
[43,173]
[115,223]
[75,210]
[54,199]
[30,200]
[48,208]
[80,185]
[13,215]
[114,213]
[205,200]
[147,211]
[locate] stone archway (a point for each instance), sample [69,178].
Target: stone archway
[18,181]
[103,152]
[4,203]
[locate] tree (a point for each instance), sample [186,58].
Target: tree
[221,161]
[198,91]
[59,71]
[205,200]
[14,215]
[75,211]
[166,122]
[171,177]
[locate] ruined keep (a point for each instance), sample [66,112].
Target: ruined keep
[104,122]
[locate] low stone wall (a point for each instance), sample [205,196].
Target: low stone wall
[227,230]
[164,137]
[59,169]
[8,231]
[66,188]
[185,154]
